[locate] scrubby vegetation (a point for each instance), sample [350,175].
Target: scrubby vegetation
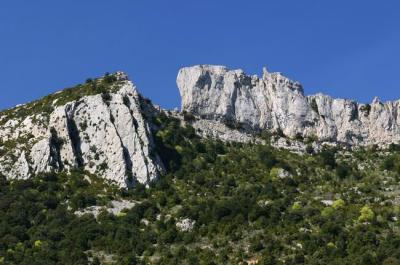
[249,204]
[46,105]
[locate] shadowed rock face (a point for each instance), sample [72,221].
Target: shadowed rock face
[275,102]
[105,134]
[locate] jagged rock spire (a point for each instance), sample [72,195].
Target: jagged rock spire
[265,72]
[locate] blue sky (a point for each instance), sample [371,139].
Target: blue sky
[348,49]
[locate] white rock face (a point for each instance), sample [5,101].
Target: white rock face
[218,130]
[40,156]
[116,207]
[185,225]
[107,136]
[21,167]
[274,102]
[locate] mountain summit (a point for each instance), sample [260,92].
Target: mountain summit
[98,126]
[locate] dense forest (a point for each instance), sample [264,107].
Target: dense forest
[245,204]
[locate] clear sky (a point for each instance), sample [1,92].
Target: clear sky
[344,48]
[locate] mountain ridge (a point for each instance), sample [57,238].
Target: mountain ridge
[274,102]
[107,127]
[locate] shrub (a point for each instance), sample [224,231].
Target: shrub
[106,97]
[366,214]
[309,149]
[188,117]
[389,163]
[366,109]
[338,204]
[328,158]
[279,132]
[38,244]
[108,78]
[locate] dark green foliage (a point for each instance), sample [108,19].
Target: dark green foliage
[83,125]
[299,137]
[280,133]
[41,230]
[392,163]
[188,117]
[343,171]
[109,78]
[309,149]
[394,147]
[366,109]
[389,163]
[106,97]
[328,157]
[233,124]
[244,209]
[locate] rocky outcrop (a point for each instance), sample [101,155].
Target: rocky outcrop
[102,126]
[274,102]
[185,225]
[105,134]
[115,207]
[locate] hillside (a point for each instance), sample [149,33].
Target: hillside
[97,174]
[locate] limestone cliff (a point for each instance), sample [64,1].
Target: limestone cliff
[98,127]
[103,127]
[274,102]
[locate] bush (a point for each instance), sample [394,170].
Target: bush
[389,163]
[366,109]
[338,204]
[279,132]
[342,170]
[188,117]
[366,214]
[327,157]
[309,149]
[108,79]
[106,97]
